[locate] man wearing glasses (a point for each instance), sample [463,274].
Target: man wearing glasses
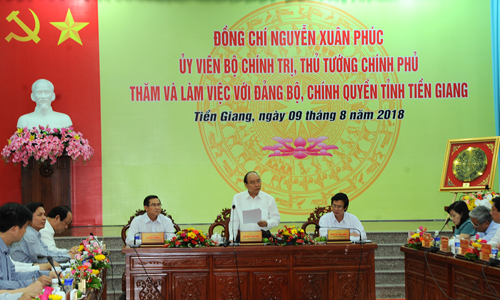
[251,199]
[340,218]
[58,220]
[151,221]
[495,214]
[482,221]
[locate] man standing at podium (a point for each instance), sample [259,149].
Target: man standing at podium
[251,199]
[340,218]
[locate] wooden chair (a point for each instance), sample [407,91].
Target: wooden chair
[140,212]
[125,228]
[222,220]
[314,218]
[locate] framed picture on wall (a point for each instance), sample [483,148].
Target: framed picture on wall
[469,164]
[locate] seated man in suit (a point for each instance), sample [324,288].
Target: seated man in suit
[340,218]
[481,220]
[151,221]
[58,220]
[14,219]
[31,249]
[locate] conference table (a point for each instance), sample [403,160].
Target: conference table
[325,271]
[435,275]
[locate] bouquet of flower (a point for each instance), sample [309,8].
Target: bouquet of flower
[91,251]
[474,200]
[189,238]
[83,271]
[291,236]
[416,239]
[474,249]
[44,143]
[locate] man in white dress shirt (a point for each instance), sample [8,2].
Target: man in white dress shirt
[151,221]
[251,199]
[495,215]
[58,220]
[340,218]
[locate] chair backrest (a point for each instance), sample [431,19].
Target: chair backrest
[314,218]
[222,220]
[140,212]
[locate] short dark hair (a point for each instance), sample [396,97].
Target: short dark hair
[13,214]
[496,202]
[61,211]
[33,206]
[343,197]
[146,200]
[460,207]
[245,180]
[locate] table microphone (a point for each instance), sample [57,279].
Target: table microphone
[232,214]
[51,261]
[99,243]
[435,249]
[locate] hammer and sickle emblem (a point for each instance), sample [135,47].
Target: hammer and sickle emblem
[32,34]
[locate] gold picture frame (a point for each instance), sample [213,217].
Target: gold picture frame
[451,182]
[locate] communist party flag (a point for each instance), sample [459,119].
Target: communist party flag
[57,41]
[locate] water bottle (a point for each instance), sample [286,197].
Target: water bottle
[457,244]
[137,239]
[68,284]
[494,251]
[55,283]
[436,239]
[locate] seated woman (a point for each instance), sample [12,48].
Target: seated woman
[459,214]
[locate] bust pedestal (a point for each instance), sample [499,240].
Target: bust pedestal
[46,183]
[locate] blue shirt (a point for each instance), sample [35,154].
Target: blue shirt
[490,232]
[31,246]
[9,278]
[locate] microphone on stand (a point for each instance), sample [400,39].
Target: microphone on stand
[51,262]
[99,243]
[435,249]
[234,235]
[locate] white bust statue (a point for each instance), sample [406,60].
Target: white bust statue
[42,93]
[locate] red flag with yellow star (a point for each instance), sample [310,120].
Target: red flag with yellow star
[57,41]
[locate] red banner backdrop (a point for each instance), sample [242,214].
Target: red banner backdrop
[57,41]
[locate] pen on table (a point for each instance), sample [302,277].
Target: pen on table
[33,279]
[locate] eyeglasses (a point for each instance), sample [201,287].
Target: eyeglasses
[474,225]
[155,204]
[337,206]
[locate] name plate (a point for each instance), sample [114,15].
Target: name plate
[427,241]
[485,251]
[339,234]
[251,236]
[445,241]
[464,245]
[153,238]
